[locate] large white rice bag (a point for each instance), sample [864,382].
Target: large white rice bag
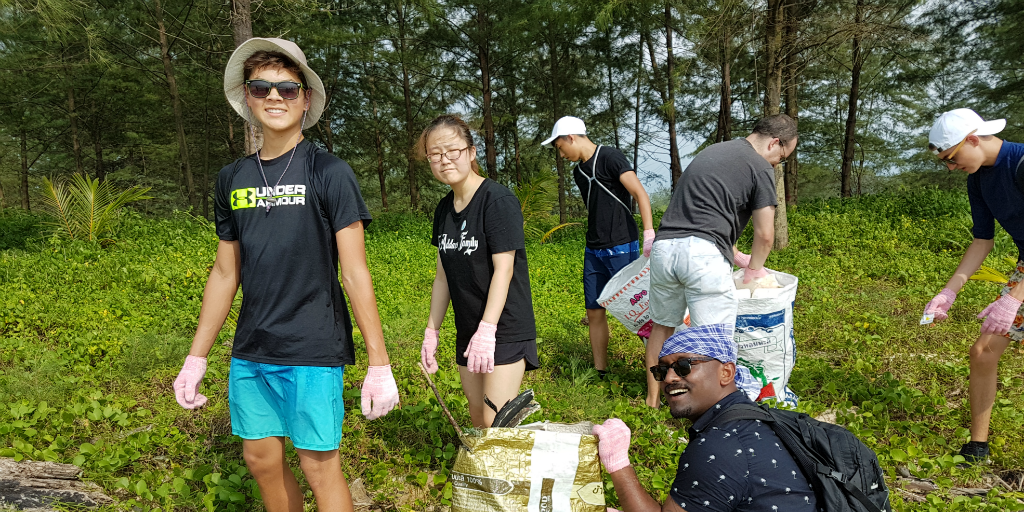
[627,296]
[764,335]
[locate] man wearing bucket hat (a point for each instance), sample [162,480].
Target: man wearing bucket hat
[995,186]
[607,183]
[737,465]
[286,217]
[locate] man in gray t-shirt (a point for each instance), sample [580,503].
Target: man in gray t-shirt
[723,188]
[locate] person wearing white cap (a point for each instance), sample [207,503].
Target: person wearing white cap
[995,186]
[607,183]
[286,216]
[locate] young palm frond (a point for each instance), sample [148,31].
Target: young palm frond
[58,202]
[536,201]
[86,208]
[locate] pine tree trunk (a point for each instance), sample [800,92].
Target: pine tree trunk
[76,145]
[611,88]
[670,109]
[792,80]
[515,135]
[636,110]
[241,31]
[378,144]
[410,129]
[772,97]
[101,171]
[557,113]
[724,131]
[179,120]
[484,53]
[849,142]
[24,171]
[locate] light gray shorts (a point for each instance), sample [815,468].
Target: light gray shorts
[691,273]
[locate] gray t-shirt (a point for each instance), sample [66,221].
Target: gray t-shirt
[716,194]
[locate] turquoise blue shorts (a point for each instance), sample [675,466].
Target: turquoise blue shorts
[303,403]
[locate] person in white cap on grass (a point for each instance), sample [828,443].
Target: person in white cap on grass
[286,216]
[607,183]
[995,186]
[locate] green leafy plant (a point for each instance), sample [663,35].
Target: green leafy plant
[536,201]
[987,273]
[86,209]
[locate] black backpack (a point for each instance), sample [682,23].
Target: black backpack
[843,471]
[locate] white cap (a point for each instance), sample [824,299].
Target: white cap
[567,125]
[955,125]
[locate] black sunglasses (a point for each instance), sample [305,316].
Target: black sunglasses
[261,88]
[680,366]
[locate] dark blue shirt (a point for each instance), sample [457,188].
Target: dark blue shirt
[740,465]
[994,196]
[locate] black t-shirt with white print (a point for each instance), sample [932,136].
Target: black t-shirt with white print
[293,310]
[491,223]
[609,221]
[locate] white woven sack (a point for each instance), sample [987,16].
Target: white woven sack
[764,335]
[627,296]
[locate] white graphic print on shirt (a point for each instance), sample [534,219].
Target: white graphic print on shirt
[462,244]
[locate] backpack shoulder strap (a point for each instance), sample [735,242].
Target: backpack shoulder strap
[742,412]
[315,167]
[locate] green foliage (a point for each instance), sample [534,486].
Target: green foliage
[86,208]
[536,201]
[91,339]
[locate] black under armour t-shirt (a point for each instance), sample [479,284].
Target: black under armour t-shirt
[609,220]
[293,310]
[491,223]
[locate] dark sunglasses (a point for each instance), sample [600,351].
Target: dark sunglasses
[261,88]
[680,366]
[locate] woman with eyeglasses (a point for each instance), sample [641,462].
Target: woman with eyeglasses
[482,271]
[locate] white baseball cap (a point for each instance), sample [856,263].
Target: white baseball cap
[955,125]
[567,125]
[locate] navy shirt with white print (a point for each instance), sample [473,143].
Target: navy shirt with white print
[491,223]
[740,465]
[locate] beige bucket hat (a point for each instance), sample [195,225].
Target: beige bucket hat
[234,76]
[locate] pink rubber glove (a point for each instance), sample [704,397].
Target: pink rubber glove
[480,352]
[428,352]
[379,388]
[1000,315]
[613,444]
[941,303]
[741,259]
[749,275]
[648,242]
[186,386]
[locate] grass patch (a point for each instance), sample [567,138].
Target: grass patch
[91,338]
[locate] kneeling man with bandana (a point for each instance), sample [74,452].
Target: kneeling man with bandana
[737,465]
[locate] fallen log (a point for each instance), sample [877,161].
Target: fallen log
[36,486]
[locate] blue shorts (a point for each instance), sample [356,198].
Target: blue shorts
[599,265]
[303,403]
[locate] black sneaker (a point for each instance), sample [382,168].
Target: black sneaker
[602,374]
[974,452]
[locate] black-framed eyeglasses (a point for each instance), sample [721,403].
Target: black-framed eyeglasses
[451,155]
[680,366]
[261,88]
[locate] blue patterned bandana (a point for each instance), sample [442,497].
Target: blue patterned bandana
[712,340]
